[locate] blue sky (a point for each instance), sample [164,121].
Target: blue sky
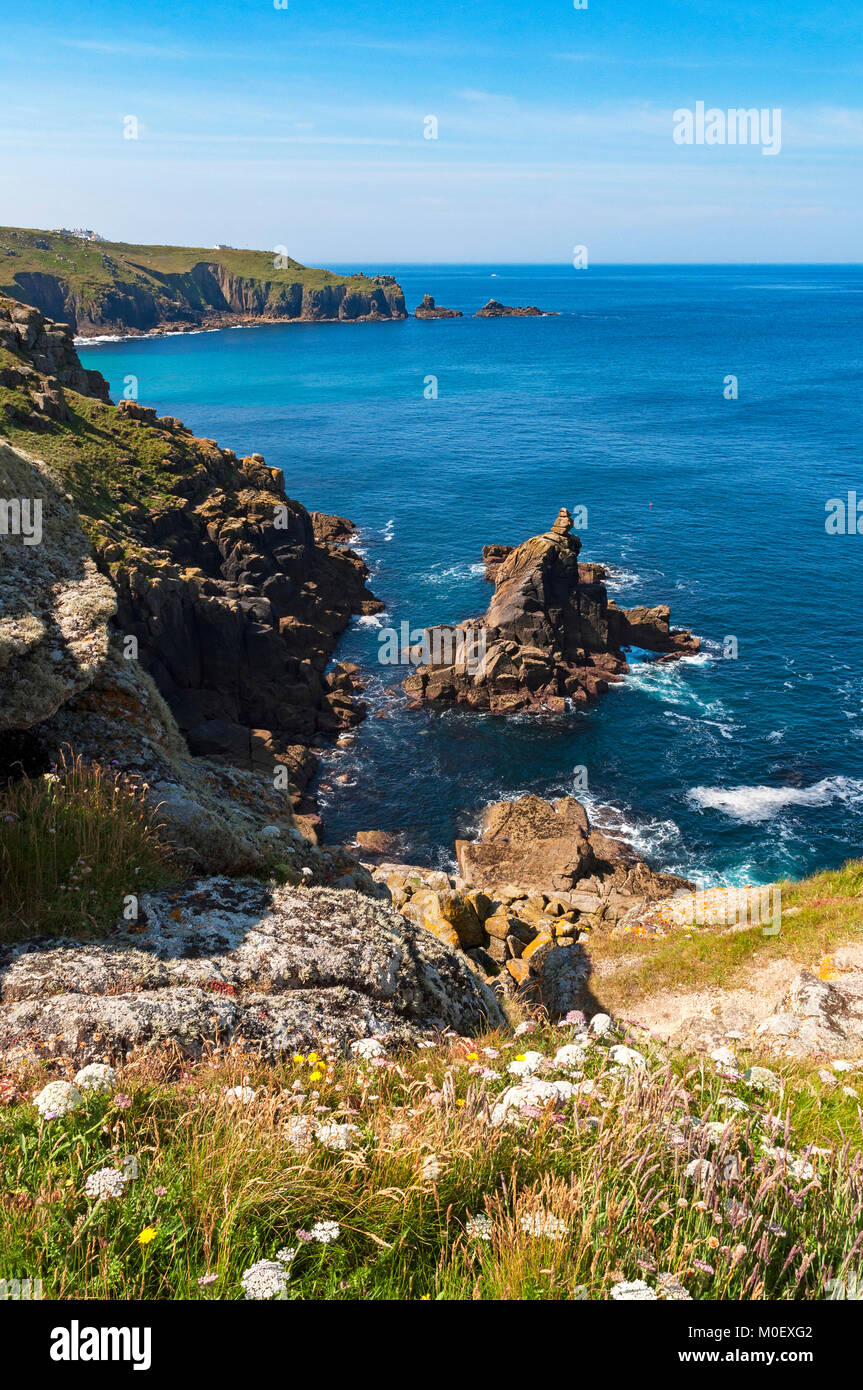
[304,127]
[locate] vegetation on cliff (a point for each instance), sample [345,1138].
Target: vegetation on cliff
[106,286]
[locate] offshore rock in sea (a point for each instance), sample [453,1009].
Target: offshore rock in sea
[429,310]
[550,633]
[495,310]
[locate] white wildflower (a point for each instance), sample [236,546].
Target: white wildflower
[669,1287]
[700,1170]
[266,1279]
[840,1064]
[527,1064]
[600,1024]
[105,1184]
[368,1047]
[763,1079]
[286,1255]
[543,1223]
[570,1056]
[626,1056]
[56,1099]
[523,1028]
[336,1137]
[479,1227]
[724,1057]
[239,1095]
[431,1167]
[325,1231]
[630,1293]
[97,1077]
[299,1132]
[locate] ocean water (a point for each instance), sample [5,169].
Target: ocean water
[724,769]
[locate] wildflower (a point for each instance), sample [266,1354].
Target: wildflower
[206,1279]
[336,1137]
[298,1057]
[431,1167]
[105,1184]
[96,1077]
[325,1231]
[626,1056]
[299,1131]
[700,1170]
[366,1048]
[315,1077]
[526,1063]
[286,1255]
[239,1095]
[704,1266]
[600,1024]
[266,1279]
[669,1287]
[491,1052]
[473,1056]
[122,1101]
[713,1242]
[637,1290]
[762,1079]
[56,1099]
[570,1056]
[479,1227]
[160,1191]
[543,1224]
[312,1058]
[523,1028]
[148,1234]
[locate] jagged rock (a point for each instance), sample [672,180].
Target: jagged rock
[235,602]
[235,962]
[54,603]
[530,843]
[429,310]
[549,635]
[495,310]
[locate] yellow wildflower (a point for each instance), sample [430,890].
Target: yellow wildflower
[148,1234]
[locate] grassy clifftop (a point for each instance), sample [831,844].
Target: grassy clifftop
[103,286]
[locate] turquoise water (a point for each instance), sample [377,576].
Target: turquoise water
[723,769]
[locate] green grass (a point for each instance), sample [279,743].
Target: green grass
[827,912]
[73,844]
[221,1187]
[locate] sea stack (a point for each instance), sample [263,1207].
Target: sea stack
[550,633]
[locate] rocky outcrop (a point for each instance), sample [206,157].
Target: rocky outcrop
[229,593]
[235,963]
[536,886]
[495,310]
[550,634]
[429,310]
[55,606]
[44,361]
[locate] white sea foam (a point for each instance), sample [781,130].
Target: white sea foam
[758,803]
[371,620]
[389,529]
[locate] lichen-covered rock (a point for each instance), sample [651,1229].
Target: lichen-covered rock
[54,603]
[235,961]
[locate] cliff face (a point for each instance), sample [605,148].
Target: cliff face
[119,288]
[228,593]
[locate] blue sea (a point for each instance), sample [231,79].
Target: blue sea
[725,769]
